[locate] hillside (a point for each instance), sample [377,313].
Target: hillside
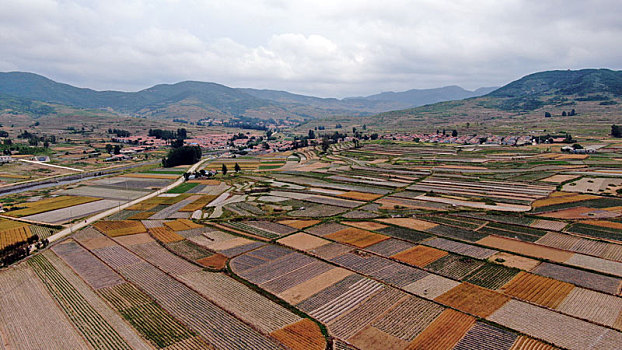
[594,94]
[193,100]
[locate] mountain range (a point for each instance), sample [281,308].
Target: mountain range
[193,100]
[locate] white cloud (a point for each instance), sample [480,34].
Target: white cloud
[325,48]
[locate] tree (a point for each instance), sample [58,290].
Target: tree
[374,136]
[117,149]
[177,143]
[364,126]
[572,112]
[325,144]
[454,133]
[224,170]
[311,134]
[109,148]
[547,115]
[563,113]
[237,168]
[184,155]
[616,131]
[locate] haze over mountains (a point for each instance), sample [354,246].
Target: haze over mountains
[193,100]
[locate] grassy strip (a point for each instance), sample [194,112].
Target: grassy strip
[186,186]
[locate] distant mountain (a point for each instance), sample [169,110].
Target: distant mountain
[594,94]
[193,100]
[564,82]
[420,97]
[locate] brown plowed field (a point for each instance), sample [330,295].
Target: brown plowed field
[302,335]
[216,261]
[525,248]
[299,224]
[537,289]
[526,343]
[444,332]
[360,196]
[366,225]
[357,237]
[120,228]
[165,235]
[410,223]
[473,299]
[420,255]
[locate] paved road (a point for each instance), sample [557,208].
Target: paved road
[77,226]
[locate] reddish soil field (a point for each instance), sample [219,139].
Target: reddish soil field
[216,261]
[539,290]
[299,224]
[420,255]
[302,335]
[473,299]
[444,332]
[357,237]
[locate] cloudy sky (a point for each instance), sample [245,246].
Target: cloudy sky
[320,47]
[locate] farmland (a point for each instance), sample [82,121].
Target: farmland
[414,252]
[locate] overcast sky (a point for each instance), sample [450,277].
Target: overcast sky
[319,47]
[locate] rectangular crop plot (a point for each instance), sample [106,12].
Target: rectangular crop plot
[579,277]
[48,204]
[404,233]
[486,337]
[389,247]
[325,229]
[73,212]
[454,266]
[408,319]
[457,233]
[356,237]
[366,312]
[537,289]
[399,275]
[362,263]
[165,235]
[420,255]
[492,276]
[120,228]
[460,248]
[593,306]
[561,330]
[472,299]
[444,332]
[26,308]
[91,269]
[431,286]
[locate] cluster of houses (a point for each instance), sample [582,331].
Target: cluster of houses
[512,140]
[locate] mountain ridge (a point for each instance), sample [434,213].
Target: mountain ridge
[195,99]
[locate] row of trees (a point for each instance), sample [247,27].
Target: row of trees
[181,133]
[564,114]
[19,250]
[119,132]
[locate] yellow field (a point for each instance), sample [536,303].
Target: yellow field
[142,206]
[165,235]
[561,199]
[120,228]
[6,224]
[14,235]
[198,204]
[143,215]
[50,204]
[182,225]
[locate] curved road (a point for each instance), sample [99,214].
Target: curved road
[77,226]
